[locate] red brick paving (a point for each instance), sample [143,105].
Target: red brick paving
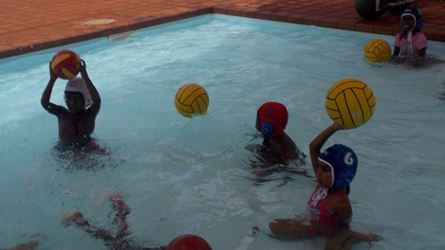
[30,25]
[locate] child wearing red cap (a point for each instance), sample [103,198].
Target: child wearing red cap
[277,150]
[271,121]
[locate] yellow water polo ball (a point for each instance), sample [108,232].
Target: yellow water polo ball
[191,99]
[350,103]
[377,51]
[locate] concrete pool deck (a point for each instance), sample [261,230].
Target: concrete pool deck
[31,25]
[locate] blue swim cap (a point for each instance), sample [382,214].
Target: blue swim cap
[343,162]
[414,12]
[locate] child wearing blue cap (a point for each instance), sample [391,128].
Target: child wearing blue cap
[411,43]
[329,209]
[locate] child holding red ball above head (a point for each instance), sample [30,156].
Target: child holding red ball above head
[329,208]
[277,150]
[76,121]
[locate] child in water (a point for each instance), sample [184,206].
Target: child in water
[410,45]
[277,150]
[121,239]
[77,121]
[329,208]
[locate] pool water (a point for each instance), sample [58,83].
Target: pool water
[183,175]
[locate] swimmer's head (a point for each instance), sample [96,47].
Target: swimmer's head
[77,96]
[343,163]
[74,101]
[271,119]
[411,18]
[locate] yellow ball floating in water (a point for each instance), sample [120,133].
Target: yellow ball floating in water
[191,99]
[377,51]
[350,103]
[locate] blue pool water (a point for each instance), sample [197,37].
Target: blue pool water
[192,176]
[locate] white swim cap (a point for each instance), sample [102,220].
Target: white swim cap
[77,84]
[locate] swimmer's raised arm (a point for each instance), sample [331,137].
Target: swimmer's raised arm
[318,142]
[95,107]
[45,100]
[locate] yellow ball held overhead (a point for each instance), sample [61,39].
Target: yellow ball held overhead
[191,99]
[350,103]
[65,64]
[377,51]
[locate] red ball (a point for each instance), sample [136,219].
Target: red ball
[188,242]
[65,64]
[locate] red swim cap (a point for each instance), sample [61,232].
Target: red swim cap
[271,119]
[188,242]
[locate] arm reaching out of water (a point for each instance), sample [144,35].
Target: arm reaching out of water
[46,96]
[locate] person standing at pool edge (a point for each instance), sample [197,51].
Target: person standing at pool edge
[329,209]
[77,121]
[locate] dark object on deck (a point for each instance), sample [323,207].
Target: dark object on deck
[373,9]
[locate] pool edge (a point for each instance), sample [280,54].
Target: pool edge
[143,22]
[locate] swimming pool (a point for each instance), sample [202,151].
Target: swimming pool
[181,175]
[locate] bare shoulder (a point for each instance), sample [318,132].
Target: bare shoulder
[340,204]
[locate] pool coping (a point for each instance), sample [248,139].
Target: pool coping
[361,26]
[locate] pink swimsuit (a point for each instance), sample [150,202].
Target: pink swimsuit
[411,44]
[317,206]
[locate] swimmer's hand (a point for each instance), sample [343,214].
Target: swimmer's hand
[397,60]
[119,204]
[83,67]
[369,237]
[75,216]
[337,127]
[374,237]
[52,76]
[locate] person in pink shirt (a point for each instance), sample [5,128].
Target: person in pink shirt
[410,45]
